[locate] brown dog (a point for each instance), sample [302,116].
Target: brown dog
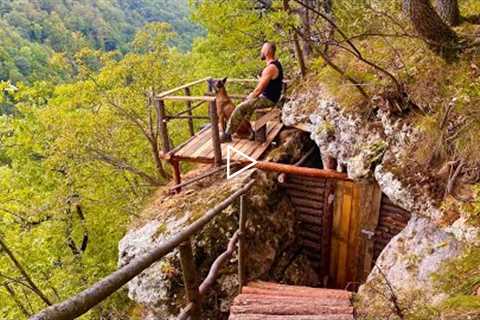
[225,108]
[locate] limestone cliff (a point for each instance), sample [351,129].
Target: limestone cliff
[271,231]
[376,145]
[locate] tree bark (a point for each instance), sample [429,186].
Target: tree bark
[406,7]
[24,273]
[439,36]
[299,54]
[18,302]
[296,43]
[449,12]
[307,30]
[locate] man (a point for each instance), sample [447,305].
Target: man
[266,94]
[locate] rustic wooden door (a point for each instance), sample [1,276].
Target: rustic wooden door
[355,217]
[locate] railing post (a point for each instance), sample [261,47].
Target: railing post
[162,126]
[190,278]
[190,113]
[217,148]
[241,244]
[177,174]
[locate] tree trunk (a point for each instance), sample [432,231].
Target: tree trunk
[24,273]
[17,300]
[307,31]
[299,55]
[440,37]
[327,7]
[296,43]
[448,11]
[406,7]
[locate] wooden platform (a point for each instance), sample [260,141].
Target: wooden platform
[271,301]
[199,148]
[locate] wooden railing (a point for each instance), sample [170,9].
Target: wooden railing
[192,103]
[87,299]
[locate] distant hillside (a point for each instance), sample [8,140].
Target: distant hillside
[31,30]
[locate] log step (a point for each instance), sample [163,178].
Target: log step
[290,317]
[291,308]
[273,301]
[248,299]
[261,287]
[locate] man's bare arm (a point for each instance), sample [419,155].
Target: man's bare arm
[268,74]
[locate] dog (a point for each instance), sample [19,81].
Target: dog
[225,108]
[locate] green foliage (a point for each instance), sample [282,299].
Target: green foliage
[32,31]
[461,280]
[236,31]
[65,142]
[84,142]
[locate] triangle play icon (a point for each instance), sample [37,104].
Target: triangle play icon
[230,151]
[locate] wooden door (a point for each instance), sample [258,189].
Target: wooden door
[355,216]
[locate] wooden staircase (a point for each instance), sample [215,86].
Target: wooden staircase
[272,301]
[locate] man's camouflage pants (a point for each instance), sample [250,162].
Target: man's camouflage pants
[245,110]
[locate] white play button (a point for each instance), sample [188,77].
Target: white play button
[231,151]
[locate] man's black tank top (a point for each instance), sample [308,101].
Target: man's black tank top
[274,89]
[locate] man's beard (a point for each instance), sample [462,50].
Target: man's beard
[263,57]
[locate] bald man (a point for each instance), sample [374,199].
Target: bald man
[266,94]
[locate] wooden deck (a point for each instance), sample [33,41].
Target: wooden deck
[199,148]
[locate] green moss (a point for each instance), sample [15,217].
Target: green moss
[460,279]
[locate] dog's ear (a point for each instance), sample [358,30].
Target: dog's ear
[224,80]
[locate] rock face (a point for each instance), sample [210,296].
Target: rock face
[374,146]
[270,238]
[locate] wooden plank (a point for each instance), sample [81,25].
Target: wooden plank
[206,144]
[307,203]
[251,151]
[302,188]
[190,150]
[306,181]
[250,148]
[311,235]
[264,146]
[194,142]
[238,144]
[266,118]
[354,232]
[313,212]
[312,228]
[371,203]
[191,141]
[188,98]
[313,255]
[169,92]
[241,144]
[312,244]
[343,230]
[335,242]
[306,195]
[310,219]
[327,224]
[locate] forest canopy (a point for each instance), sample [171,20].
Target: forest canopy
[32,32]
[78,158]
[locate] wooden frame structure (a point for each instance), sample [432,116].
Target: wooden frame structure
[193,102]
